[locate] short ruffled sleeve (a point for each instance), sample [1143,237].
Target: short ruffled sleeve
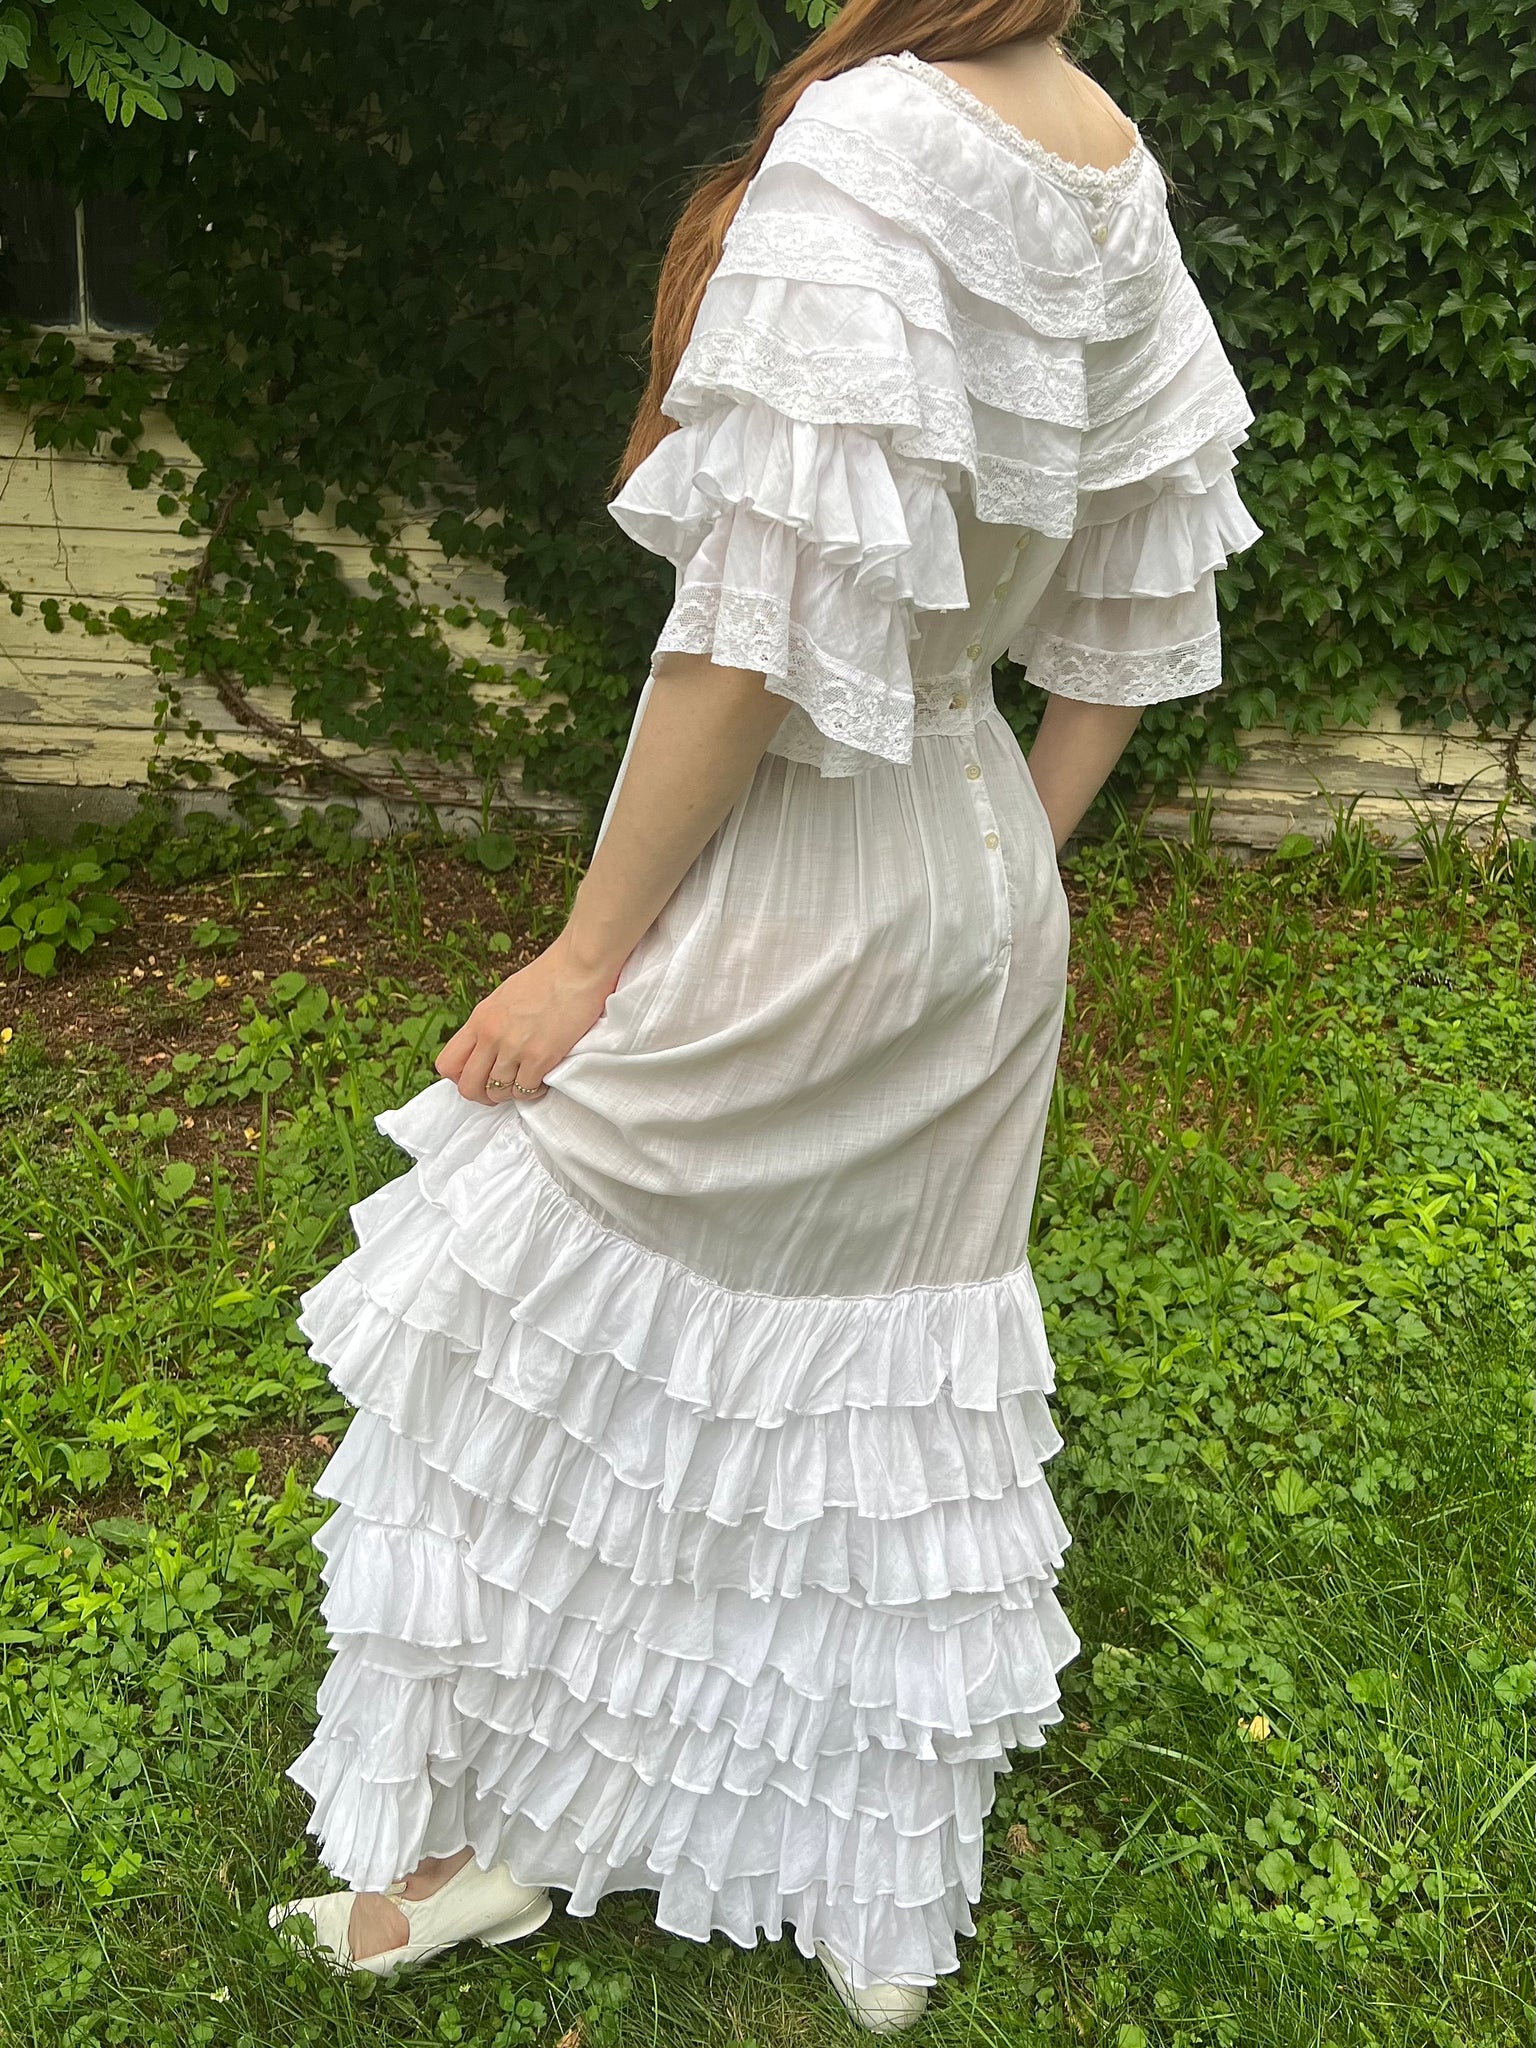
[804,539]
[1129,615]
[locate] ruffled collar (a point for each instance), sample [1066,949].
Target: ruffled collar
[1087,181]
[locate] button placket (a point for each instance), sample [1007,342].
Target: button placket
[992,856]
[981,797]
[971,693]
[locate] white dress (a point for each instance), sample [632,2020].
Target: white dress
[692,1535]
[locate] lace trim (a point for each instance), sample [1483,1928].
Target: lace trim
[1014,493]
[1095,675]
[1219,410]
[1010,371]
[840,386]
[762,242]
[1183,326]
[934,717]
[841,714]
[825,388]
[1087,180]
[1079,302]
[798,739]
[935,713]
[753,629]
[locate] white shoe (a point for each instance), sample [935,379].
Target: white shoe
[882,2008]
[475,1904]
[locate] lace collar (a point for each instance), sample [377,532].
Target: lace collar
[1087,180]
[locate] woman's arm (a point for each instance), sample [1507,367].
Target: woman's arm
[696,749]
[1074,750]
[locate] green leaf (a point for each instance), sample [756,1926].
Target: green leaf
[1372,1688]
[1278,1871]
[494,851]
[122,1531]
[176,1181]
[1292,1494]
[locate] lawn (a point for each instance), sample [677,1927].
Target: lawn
[1284,1245]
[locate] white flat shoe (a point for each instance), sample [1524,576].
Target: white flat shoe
[882,2008]
[474,1905]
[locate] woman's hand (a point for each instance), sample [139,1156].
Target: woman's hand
[521,1029]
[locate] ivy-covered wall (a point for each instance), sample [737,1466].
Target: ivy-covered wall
[412,257]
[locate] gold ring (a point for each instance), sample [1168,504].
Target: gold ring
[495,1084]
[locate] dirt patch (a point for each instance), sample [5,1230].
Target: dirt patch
[174,977]
[281,1451]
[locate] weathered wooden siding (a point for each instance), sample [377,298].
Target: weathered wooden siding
[1390,780]
[77,712]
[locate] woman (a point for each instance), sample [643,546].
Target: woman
[693,1535]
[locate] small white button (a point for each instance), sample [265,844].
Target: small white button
[990,840]
[972,769]
[959,700]
[974,650]
[1099,231]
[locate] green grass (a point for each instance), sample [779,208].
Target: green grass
[1284,1245]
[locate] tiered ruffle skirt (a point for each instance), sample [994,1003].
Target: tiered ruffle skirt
[635,1581]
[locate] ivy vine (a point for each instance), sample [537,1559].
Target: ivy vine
[407,272]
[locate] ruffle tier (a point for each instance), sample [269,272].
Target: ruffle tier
[633,1581]
[801,551]
[743,1865]
[1162,535]
[607,1464]
[480,1237]
[1129,614]
[890,527]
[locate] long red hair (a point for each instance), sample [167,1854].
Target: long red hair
[930,29]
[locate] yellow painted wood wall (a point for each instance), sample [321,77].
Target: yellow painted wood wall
[77,712]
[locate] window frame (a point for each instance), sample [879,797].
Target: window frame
[91,340]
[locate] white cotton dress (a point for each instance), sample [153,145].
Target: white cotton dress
[692,1535]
